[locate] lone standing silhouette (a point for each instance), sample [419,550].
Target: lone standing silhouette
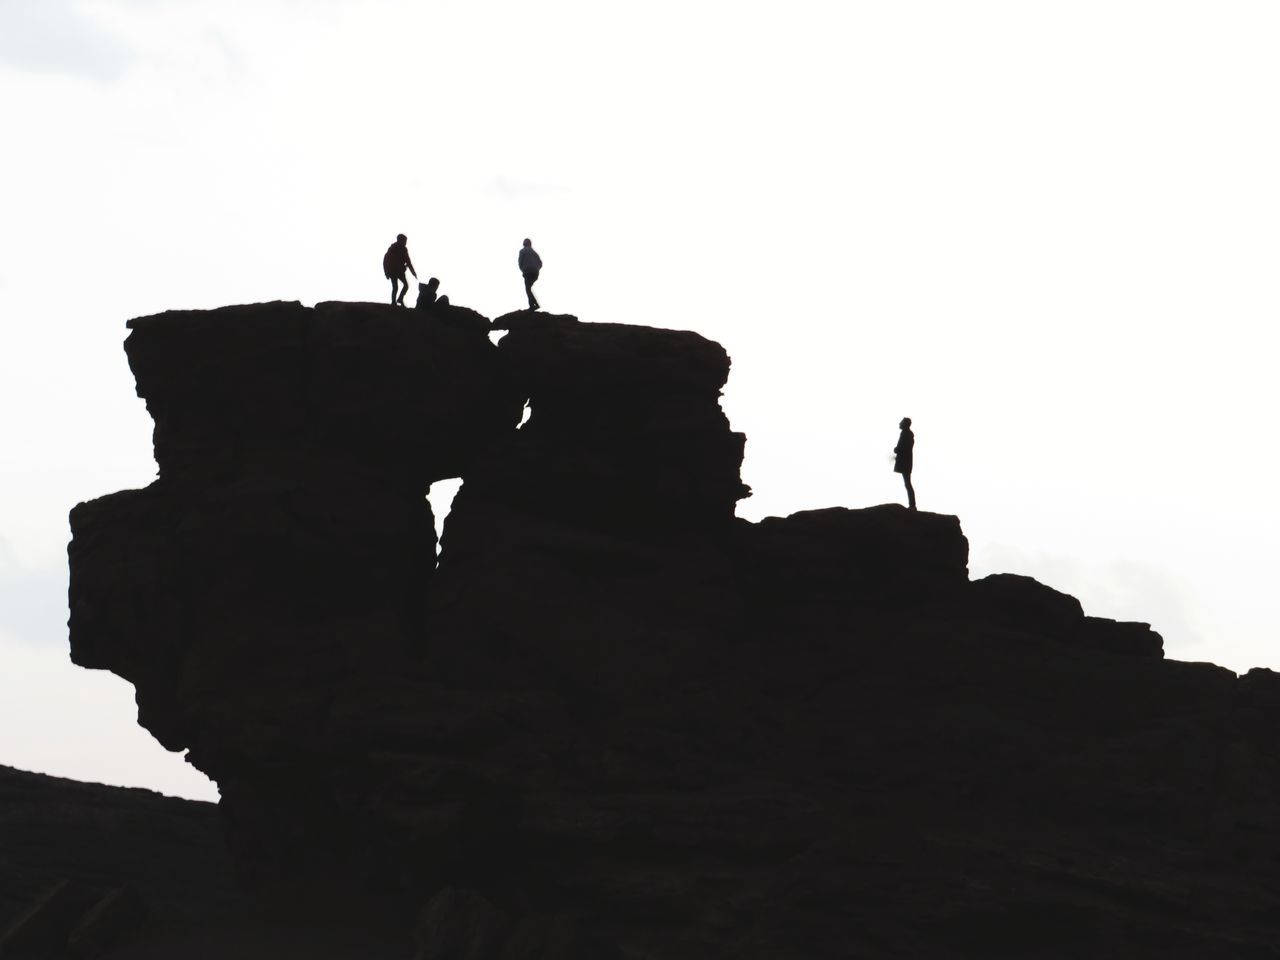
[394,262]
[902,455]
[530,265]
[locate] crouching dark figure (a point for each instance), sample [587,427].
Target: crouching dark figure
[428,297]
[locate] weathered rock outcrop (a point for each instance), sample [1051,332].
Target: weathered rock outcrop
[84,867]
[614,720]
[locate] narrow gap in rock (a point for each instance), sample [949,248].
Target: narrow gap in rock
[441,496]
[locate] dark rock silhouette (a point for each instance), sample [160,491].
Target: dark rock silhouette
[614,720]
[93,871]
[84,868]
[1021,603]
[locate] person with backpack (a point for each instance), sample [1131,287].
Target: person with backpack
[394,263]
[530,264]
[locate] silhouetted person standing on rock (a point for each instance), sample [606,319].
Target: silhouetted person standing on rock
[394,263]
[530,264]
[902,455]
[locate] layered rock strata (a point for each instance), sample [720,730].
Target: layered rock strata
[614,720]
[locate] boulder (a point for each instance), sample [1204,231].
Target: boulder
[1024,604]
[886,552]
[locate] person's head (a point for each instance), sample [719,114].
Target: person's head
[906,423]
[401,238]
[433,283]
[528,242]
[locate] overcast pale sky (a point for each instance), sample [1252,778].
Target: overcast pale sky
[1046,231]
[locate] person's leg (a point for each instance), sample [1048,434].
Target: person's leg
[404,288]
[529,279]
[911,492]
[393,291]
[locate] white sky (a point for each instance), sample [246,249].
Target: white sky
[1046,231]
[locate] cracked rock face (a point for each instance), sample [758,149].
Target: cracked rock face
[610,719]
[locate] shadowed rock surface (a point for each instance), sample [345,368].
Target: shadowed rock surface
[66,848]
[614,720]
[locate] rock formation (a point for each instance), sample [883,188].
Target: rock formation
[84,868]
[610,719]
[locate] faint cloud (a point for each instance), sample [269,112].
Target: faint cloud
[1142,586]
[227,50]
[33,603]
[59,37]
[513,189]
